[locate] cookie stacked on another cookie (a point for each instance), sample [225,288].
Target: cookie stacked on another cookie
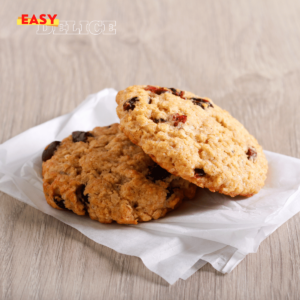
[103,174]
[193,138]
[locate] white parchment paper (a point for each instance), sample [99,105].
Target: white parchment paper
[211,228]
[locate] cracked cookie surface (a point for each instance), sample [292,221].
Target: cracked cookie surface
[103,174]
[193,138]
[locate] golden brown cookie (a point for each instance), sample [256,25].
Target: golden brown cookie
[105,175]
[193,138]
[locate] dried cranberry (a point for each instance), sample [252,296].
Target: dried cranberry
[181,94]
[156,90]
[156,172]
[179,118]
[130,104]
[200,102]
[150,88]
[81,196]
[59,202]
[199,173]
[161,91]
[49,151]
[177,93]
[182,118]
[251,153]
[160,120]
[80,136]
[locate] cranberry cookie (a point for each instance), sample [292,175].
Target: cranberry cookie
[103,174]
[193,138]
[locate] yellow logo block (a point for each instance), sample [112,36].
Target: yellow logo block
[29,21]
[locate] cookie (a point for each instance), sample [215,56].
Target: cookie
[103,174]
[193,138]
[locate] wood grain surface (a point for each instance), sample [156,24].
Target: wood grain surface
[245,55]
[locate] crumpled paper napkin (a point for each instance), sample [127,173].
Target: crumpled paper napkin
[211,228]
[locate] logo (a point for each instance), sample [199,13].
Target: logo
[24,20]
[51,25]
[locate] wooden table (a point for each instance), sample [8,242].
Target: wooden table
[245,55]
